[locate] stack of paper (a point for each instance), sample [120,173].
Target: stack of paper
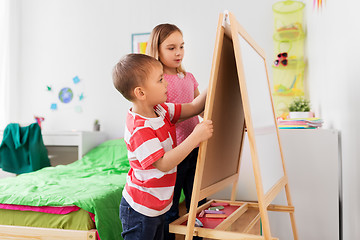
[300,123]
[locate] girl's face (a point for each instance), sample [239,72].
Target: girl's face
[171,52]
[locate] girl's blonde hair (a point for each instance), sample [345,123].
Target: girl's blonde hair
[158,36]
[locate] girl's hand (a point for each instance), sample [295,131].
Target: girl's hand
[203,131]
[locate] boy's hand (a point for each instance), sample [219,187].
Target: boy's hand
[203,131]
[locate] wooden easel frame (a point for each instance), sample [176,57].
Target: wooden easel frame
[229,32]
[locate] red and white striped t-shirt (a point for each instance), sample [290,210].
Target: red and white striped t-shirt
[148,190]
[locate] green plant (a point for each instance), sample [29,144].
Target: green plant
[300,104]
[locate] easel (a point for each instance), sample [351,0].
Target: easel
[234,108]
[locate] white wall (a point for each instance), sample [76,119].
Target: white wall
[15,30]
[61,39]
[333,76]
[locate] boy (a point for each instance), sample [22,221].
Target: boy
[150,139]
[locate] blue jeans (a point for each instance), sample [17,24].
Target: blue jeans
[184,180]
[137,226]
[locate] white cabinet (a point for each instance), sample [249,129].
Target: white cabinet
[65,147]
[313,167]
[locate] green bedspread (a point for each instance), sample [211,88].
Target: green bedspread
[93,183]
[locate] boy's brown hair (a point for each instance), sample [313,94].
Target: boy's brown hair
[132,71]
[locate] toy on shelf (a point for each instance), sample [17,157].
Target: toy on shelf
[282,58]
[289,64]
[288,16]
[293,89]
[290,32]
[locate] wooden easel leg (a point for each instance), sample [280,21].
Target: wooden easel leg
[265,223]
[202,149]
[292,214]
[195,197]
[190,224]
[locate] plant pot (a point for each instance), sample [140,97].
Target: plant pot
[301,115]
[96,127]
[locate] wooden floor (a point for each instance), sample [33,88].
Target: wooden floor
[238,226]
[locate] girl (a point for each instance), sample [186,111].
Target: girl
[167,45]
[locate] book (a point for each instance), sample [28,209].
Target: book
[300,123]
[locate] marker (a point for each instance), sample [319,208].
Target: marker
[216,208]
[215,204]
[216,215]
[214,211]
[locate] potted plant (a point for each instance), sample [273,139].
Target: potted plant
[300,108]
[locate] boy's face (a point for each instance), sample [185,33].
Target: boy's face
[156,86]
[171,51]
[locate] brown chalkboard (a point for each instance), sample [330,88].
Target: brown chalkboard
[223,149]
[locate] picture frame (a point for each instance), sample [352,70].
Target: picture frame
[139,42]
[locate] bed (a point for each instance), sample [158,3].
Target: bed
[76,201]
